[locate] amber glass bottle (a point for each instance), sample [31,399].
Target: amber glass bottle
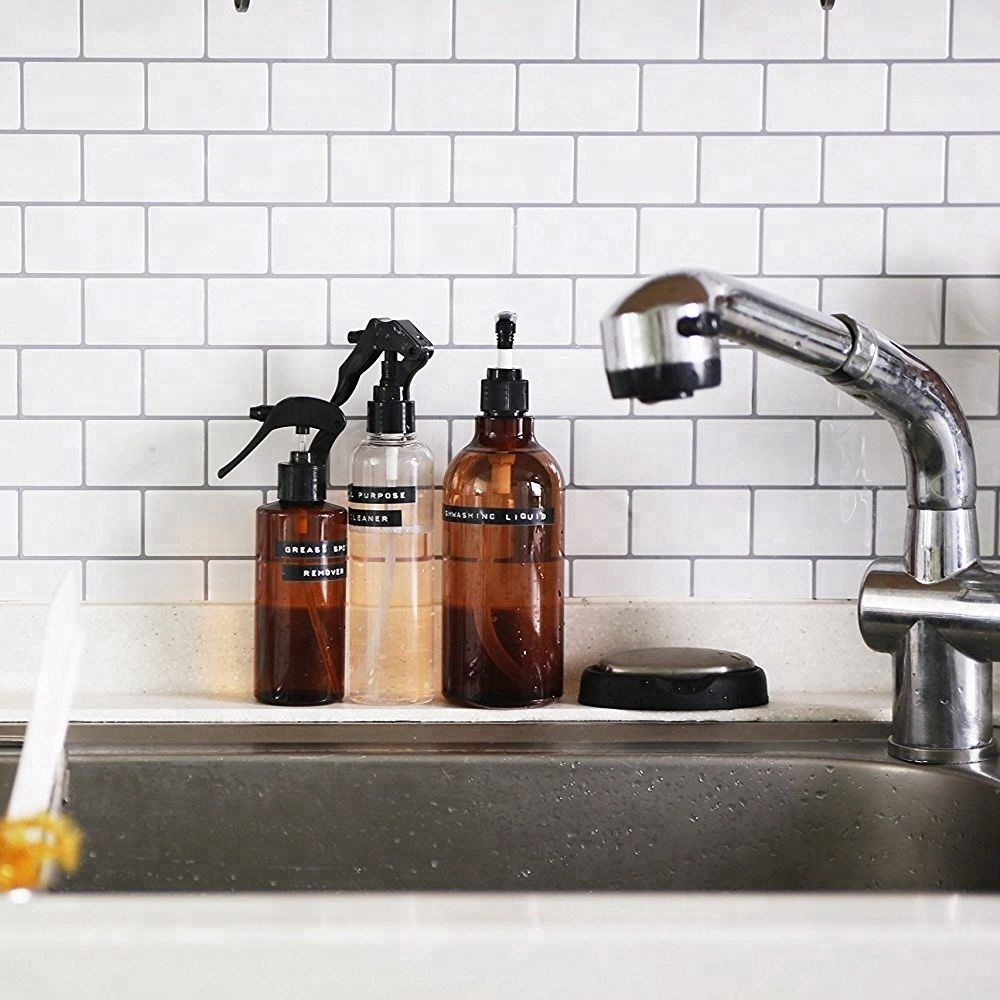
[502,586]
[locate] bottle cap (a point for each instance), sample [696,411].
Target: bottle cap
[504,393]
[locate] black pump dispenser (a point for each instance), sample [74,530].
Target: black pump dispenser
[504,393]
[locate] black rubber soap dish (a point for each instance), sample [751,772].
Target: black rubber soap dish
[674,679]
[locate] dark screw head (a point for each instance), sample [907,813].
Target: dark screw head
[705,324]
[242,5]
[827,4]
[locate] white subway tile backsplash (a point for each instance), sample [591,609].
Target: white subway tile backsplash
[773,169]
[733,398]
[207,381]
[192,96]
[145,453]
[313,372]
[200,523]
[8,523]
[145,311]
[84,240]
[121,29]
[941,240]
[40,28]
[10,95]
[907,310]
[727,239]
[859,453]
[659,452]
[231,581]
[639,29]
[957,97]
[972,312]
[791,30]
[561,240]
[597,523]
[35,581]
[974,34]
[594,297]
[144,168]
[39,167]
[41,453]
[765,579]
[823,240]
[293,29]
[39,310]
[10,239]
[812,522]
[267,311]
[783,390]
[227,438]
[691,522]
[329,97]
[632,578]
[839,579]
[702,98]
[426,302]
[826,97]
[147,581]
[513,169]
[581,387]
[454,240]
[8,383]
[267,168]
[390,168]
[75,381]
[986,439]
[543,305]
[391,29]
[79,95]
[81,522]
[517,29]
[640,169]
[455,97]
[203,238]
[755,452]
[974,168]
[557,97]
[872,30]
[330,240]
[973,376]
[884,169]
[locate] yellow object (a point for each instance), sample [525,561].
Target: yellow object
[28,845]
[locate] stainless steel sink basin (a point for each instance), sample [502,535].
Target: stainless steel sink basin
[537,806]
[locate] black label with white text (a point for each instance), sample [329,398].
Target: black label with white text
[309,573]
[310,550]
[456,514]
[381,494]
[374,518]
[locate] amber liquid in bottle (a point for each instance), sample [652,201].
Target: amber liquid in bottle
[300,603]
[502,588]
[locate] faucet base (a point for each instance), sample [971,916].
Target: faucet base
[936,755]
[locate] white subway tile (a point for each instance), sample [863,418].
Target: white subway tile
[145,452]
[207,239]
[884,168]
[313,372]
[594,298]
[426,302]
[907,310]
[517,29]
[231,581]
[974,30]
[556,97]
[874,31]
[691,522]
[81,239]
[83,95]
[569,382]
[839,579]
[80,381]
[634,578]
[941,240]
[227,438]
[203,382]
[40,167]
[200,522]
[755,452]
[986,439]
[391,29]
[267,311]
[639,29]
[390,168]
[822,240]
[702,98]
[659,452]
[267,168]
[10,95]
[144,310]
[724,239]
[323,97]
[454,97]
[40,28]
[772,169]
[10,238]
[972,375]
[8,383]
[596,522]
[330,240]
[544,308]
[812,522]
[859,453]
[971,313]
[41,452]
[293,29]
[454,240]
[753,579]
[576,240]
[826,97]
[8,523]
[637,170]
[974,168]
[120,29]
[514,170]
[81,522]
[152,581]
[733,398]
[788,30]
[40,310]
[145,168]
[945,97]
[784,390]
[36,581]
[890,522]
[207,96]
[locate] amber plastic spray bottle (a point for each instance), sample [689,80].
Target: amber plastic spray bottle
[502,587]
[301,565]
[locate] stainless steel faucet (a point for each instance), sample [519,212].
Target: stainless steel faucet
[937,610]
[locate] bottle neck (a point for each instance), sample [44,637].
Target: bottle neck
[505,433]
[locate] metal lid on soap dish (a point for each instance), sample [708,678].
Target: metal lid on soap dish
[674,679]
